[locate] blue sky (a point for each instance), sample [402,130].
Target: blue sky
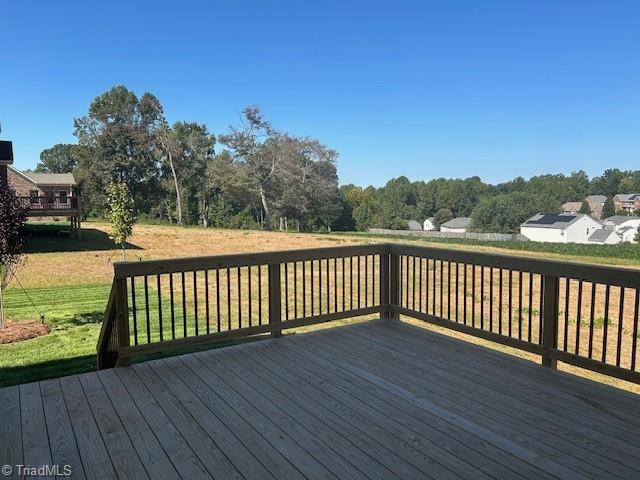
[423,89]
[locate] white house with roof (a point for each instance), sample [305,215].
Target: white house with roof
[625,226]
[456,225]
[429,224]
[559,228]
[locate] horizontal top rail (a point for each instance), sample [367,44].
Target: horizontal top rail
[615,276]
[187,264]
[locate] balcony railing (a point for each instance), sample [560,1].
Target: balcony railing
[580,314]
[49,205]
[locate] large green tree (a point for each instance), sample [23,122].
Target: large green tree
[61,158]
[119,141]
[505,213]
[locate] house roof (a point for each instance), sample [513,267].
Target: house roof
[413,225]
[596,198]
[568,206]
[431,219]
[460,222]
[627,197]
[601,235]
[47,179]
[620,219]
[552,220]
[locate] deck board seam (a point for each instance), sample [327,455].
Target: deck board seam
[421,434]
[505,451]
[444,387]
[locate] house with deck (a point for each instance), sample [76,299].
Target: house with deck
[381,398]
[45,196]
[627,202]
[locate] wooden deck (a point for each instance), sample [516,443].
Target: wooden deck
[378,400]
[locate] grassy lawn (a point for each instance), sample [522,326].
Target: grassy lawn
[68,280]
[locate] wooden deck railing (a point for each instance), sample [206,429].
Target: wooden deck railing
[47,206]
[584,315]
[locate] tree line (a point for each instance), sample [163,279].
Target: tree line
[255,176]
[176,174]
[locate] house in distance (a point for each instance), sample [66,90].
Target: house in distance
[560,228]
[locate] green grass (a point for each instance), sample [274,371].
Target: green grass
[625,251]
[74,314]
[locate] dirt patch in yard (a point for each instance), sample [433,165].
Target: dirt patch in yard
[19,331]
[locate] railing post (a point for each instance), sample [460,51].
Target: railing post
[384,284]
[275,298]
[549,319]
[394,283]
[122,320]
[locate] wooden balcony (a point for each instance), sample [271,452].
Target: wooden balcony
[51,206]
[382,400]
[379,399]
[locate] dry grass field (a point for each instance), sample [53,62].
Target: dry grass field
[69,281]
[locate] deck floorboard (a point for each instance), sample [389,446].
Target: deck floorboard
[373,401]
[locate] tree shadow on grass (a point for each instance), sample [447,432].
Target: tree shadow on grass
[57,238]
[45,370]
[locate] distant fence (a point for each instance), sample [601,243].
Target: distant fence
[492,237]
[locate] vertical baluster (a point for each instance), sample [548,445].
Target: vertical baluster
[578,317]
[146,306]
[320,287]
[239,269]
[249,268]
[206,303]
[566,312]
[464,297]
[328,288]
[413,282]
[133,311]
[259,294]
[184,305]
[491,299]
[286,290]
[312,282]
[634,341]
[520,305]
[350,283]
[448,290]
[228,298]
[500,301]
[420,286]
[366,280]
[158,286]
[441,287]
[295,289]
[344,287]
[433,289]
[401,280]
[540,329]
[218,322]
[173,309]
[304,288]
[530,305]
[426,286]
[473,295]
[457,293]
[510,319]
[607,290]
[620,326]
[335,284]
[359,281]
[195,301]
[482,297]
[592,318]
